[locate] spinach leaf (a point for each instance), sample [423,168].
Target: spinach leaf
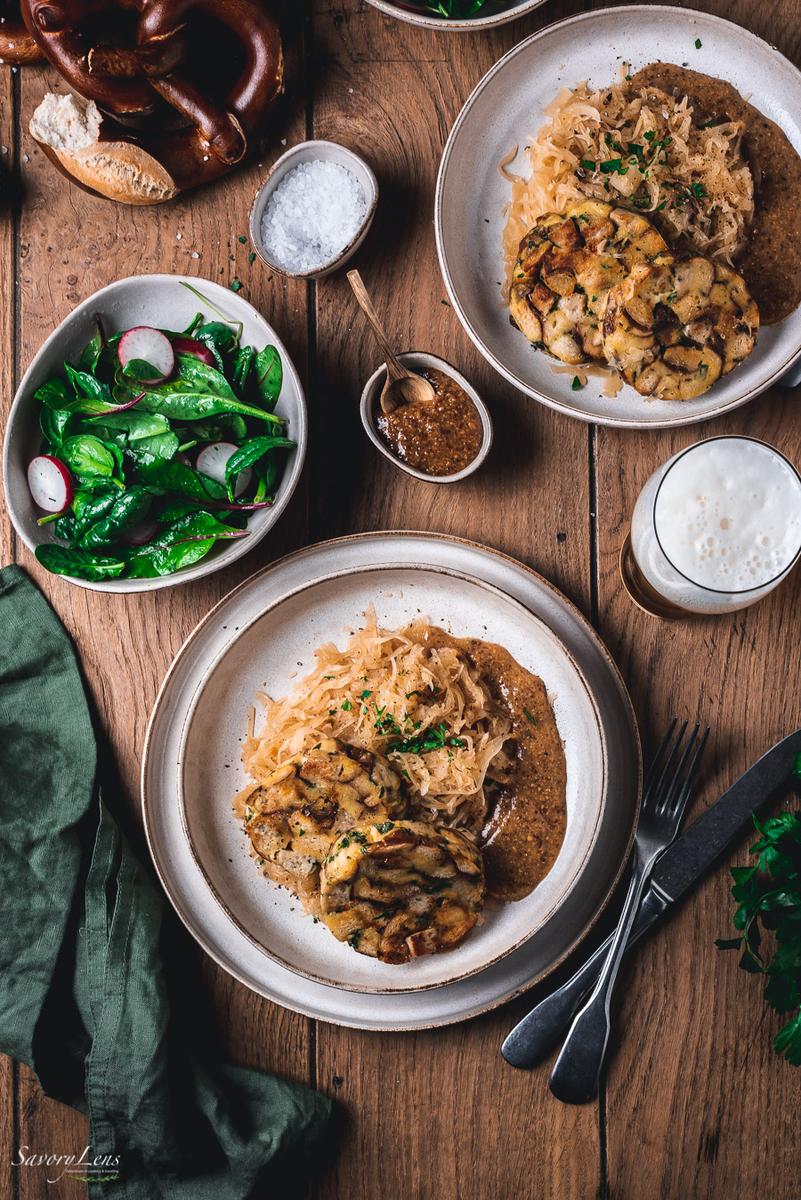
[81,564]
[87,456]
[248,454]
[54,393]
[86,386]
[228,427]
[90,355]
[185,541]
[64,528]
[127,510]
[131,426]
[241,367]
[197,406]
[268,472]
[175,478]
[88,508]
[220,338]
[140,371]
[145,563]
[54,424]
[203,378]
[161,445]
[269,376]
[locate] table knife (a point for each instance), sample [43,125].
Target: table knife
[679,869]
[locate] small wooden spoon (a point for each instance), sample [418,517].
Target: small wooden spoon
[402,385]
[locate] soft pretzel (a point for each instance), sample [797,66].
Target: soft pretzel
[124,161]
[16,44]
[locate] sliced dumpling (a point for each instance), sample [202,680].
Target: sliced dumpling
[567,265]
[396,890]
[673,328]
[295,814]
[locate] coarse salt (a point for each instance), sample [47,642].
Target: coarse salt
[315,212]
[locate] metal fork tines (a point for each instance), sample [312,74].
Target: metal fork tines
[574,1078]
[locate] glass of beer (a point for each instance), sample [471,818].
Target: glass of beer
[715,529]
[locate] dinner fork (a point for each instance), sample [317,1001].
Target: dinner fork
[575,1075]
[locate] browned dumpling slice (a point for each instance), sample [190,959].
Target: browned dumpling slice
[292,818]
[673,328]
[396,890]
[567,265]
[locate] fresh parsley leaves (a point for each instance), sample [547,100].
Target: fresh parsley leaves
[768,896]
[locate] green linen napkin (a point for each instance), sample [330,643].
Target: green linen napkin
[87,997]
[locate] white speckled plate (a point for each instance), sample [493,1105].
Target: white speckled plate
[263,634]
[508,106]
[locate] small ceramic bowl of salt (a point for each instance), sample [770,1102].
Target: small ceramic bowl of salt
[313,210]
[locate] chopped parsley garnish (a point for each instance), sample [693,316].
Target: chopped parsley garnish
[365,694]
[436,738]
[235,285]
[698,43]
[385,826]
[529,717]
[346,706]
[576,385]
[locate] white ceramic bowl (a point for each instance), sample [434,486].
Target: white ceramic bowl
[419,361]
[158,300]
[431,21]
[508,107]
[316,151]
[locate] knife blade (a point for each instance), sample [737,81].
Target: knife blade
[679,869]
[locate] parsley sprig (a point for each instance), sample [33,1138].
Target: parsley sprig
[768,896]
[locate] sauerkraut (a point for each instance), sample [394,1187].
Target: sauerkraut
[640,149]
[422,705]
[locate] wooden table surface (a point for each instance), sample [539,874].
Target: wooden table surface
[695,1104]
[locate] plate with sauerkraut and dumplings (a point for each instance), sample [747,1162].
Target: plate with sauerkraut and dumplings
[617,216]
[391,766]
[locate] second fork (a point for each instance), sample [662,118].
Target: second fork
[575,1075]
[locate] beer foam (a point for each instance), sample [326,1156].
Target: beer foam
[728,514]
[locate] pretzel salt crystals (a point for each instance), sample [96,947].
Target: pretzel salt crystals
[161,155]
[17,47]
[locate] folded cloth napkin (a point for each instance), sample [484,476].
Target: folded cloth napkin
[87,998]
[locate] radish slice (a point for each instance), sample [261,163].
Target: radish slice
[149,346]
[212,461]
[195,349]
[50,483]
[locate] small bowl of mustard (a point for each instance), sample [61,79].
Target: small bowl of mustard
[439,442]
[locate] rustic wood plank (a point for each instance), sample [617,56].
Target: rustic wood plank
[392,93]
[70,245]
[695,1085]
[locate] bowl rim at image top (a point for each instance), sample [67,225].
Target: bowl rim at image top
[422,359]
[459,24]
[736,44]
[75,331]
[316,149]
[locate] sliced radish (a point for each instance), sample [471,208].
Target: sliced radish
[150,346]
[142,533]
[50,483]
[195,349]
[212,461]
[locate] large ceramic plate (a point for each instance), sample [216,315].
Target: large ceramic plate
[277,647]
[508,106]
[266,630]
